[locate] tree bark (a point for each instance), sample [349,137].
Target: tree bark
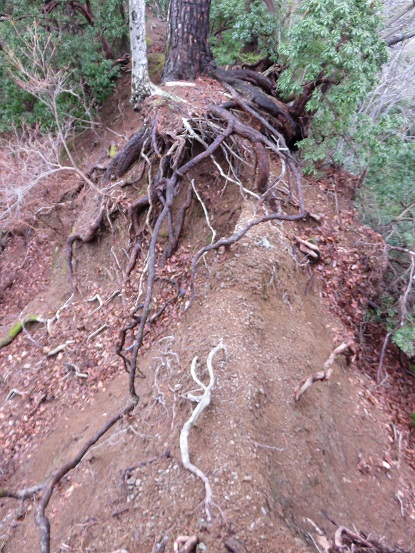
[140,80]
[187,48]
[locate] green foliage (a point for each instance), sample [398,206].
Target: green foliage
[161,7]
[78,50]
[338,38]
[234,29]
[386,199]
[336,46]
[413,419]
[404,338]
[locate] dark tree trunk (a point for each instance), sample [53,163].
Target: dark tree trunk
[187,48]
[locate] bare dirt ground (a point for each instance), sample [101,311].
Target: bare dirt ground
[276,467]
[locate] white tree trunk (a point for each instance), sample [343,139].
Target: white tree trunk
[140,81]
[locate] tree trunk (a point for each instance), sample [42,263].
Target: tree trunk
[140,80]
[187,47]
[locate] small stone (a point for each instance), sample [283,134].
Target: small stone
[201,547]
[247,478]
[234,546]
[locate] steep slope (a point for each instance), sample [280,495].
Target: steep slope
[275,466]
[272,464]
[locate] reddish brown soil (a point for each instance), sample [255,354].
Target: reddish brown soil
[274,466]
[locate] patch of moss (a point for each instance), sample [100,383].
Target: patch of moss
[155,66]
[16,329]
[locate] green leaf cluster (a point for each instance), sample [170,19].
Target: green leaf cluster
[404,338]
[78,49]
[236,25]
[337,43]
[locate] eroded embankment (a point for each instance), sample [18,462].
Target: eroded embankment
[271,463]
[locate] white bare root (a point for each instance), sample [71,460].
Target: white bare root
[203,402]
[356,538]
[308,248]
[97,298]
[96,332]
[56,316]
[188,542]
[305,384]
[205,211]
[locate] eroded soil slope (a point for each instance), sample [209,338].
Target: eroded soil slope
[272,464]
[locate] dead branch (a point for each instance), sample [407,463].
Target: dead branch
[234,546]
[305,384]
[404,300]
[382,356]
[203,403]
[40,517]
[55,318]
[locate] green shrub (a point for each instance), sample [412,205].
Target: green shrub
[234,27]
[78,51]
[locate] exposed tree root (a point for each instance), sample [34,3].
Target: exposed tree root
[41,519]
[120,163]
[353,537]
[279,111]
[189,544]
[106,209]
[226,242]
[306,383]
[48,486]
[203,403]
[25,493]
[255,124]
[18,328]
